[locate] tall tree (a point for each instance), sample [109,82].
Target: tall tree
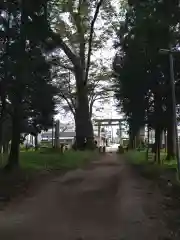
[146,30]
[98,87]
[25,74]
[76,28]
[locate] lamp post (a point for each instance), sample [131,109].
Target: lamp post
[170,52]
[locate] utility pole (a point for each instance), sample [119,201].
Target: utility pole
[170,52]
[56,143]
[174,107]
[120,132]
[52,132]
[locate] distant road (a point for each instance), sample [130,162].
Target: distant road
[112,147]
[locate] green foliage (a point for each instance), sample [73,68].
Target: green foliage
[37,166]
[142,82]
[27,93]
[53,160]
[68,160]
[76,31]
[148,169]
[136,157]
[139,158]
[73,22]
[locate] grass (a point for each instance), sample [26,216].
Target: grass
[137,157]
[48,159]
[148,168]
[32,166]
[55,160]
[165,177]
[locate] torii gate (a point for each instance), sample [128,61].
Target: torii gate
[109,122]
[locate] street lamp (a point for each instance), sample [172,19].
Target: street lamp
[171,52]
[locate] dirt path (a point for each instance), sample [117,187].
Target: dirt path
[104,202]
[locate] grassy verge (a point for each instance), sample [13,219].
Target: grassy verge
[150,169]
[36,167]
[50,160]
[163,176]
[136,157]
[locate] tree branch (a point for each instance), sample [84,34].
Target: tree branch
[91,103]
[59,42]
[57,62]
[64,129]
[69,103]
[105,97]
[95,98]
[81,36]
[67,67]
[90,40]
[91,108]
[76,16]
[66,92]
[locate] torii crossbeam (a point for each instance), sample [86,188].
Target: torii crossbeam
[108,122]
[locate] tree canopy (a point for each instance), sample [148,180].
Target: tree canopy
[142,83]
[26,90]
[78,30]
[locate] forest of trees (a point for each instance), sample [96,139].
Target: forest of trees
[142,83]
[26,90]
[47,54]
[42,44]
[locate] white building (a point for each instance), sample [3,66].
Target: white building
[66,134]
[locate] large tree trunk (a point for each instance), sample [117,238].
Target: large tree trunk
[171,139]
[137,138]
[5,147]
[134,134]
[84,128]
[171,143]
[134,139]
[147,150]
[131,134]
[36,142]
[13,160]
[157,144]
[171,151]
[158,124]
[131,139]
[2,116]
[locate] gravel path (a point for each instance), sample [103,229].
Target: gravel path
[106,201]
